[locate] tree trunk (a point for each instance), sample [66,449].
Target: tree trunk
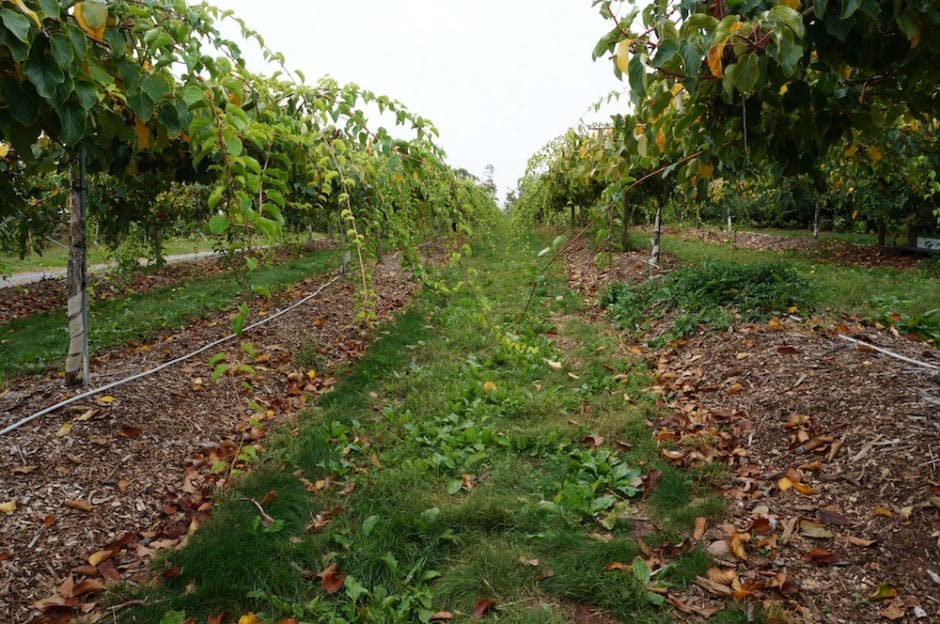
[572,215]
[625,231]
[76,362]
[657,232]
[882,232]
[816,222]
[730,224]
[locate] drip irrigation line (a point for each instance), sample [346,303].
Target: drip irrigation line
[147,373]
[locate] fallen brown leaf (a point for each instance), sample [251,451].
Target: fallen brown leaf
[483,606]
[331,580]
[701,525]
[79,505]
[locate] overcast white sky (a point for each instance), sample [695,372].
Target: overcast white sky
[499,78]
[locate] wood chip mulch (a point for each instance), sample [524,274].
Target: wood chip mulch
[100,487]
[831,453]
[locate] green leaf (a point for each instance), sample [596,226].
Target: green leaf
[656,599]
[368,525]
[214,198]
[747,73]
[62,49]
[173,617]
[43,72]
[193,94]
[819,8]
[218,224]
[50,7]
[141,105]
[636,73]
[851,6]
[665,52]
[22,100]
[454,486]
[16,23]
[220,370]
[251,263]
[233,146]
[154,86]
[641,571]
[73,118]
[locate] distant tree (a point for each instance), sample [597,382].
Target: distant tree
[488,183]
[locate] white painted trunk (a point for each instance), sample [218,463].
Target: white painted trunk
[816,222]
[76,361]
[657,233]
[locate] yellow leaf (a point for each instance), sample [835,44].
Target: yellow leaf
[623,54]
[705,170]
[793,4]
[99,556]
[555,366]
[92,17]
[784,89]
[32,14]
[915,39]
[661,141]
[64,430]
[106,399]
[249,618]
[851,150]
[489,386]
[4,150]
[714,60]
[802,488]
[8,507]
[884,592]
[312,374]
[784,484]
[874,154]
[143,134]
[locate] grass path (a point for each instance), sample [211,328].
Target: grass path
[33,343]
[458,466]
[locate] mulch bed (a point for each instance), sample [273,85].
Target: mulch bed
[48,295]
[832,454]
[834,251]
[102,486]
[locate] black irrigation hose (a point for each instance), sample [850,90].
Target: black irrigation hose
[147,373]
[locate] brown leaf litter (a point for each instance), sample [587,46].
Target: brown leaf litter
[833,459]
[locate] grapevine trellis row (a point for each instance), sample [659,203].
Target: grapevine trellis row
[150,92]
